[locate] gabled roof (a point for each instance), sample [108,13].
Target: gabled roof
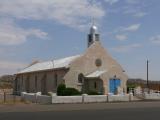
[54,64]
[95,74]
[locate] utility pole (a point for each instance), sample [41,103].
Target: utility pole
[147,76]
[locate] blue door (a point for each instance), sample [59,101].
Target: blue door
[114,84]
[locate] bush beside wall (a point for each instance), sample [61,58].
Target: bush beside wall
[63,91]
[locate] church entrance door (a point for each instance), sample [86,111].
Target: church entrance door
[114,84]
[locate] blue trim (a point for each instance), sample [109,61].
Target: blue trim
[114,84]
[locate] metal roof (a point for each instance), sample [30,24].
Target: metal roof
[95,74]
[54,64]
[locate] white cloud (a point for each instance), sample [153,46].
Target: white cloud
[134,11]
[121,37]
[135,8]
[140,14]
[73,13]
[123,30]
[126,48]
[155,39]
[111,2]
[11,34]
[121,33]
[131,28]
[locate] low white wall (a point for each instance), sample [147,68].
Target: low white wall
[94,98]
[29,97]
[152,96]
[43,99]
[119,98]
[38,98]
[91,98]
[66,99]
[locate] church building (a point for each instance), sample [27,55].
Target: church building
[94,70]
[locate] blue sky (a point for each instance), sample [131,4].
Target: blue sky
[50,29]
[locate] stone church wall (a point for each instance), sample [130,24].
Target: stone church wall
[51,82]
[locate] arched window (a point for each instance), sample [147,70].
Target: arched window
[95,85]
[22,80]
[56,79]
[27,84]
[44,84]
[80,78]
[36,83]
[98,62]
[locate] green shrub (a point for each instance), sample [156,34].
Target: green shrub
[71,92]
[63,91]
[93,93]
[131,87]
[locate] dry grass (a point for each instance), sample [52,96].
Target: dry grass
[14,102]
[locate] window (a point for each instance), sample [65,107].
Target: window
[36,83]
[22,83]
[95,85]
[27,84]
[56,79]
[80,78]
[98,62]
[44,84]
[89,38]
[97,37]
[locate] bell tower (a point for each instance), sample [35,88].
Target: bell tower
[93,35]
